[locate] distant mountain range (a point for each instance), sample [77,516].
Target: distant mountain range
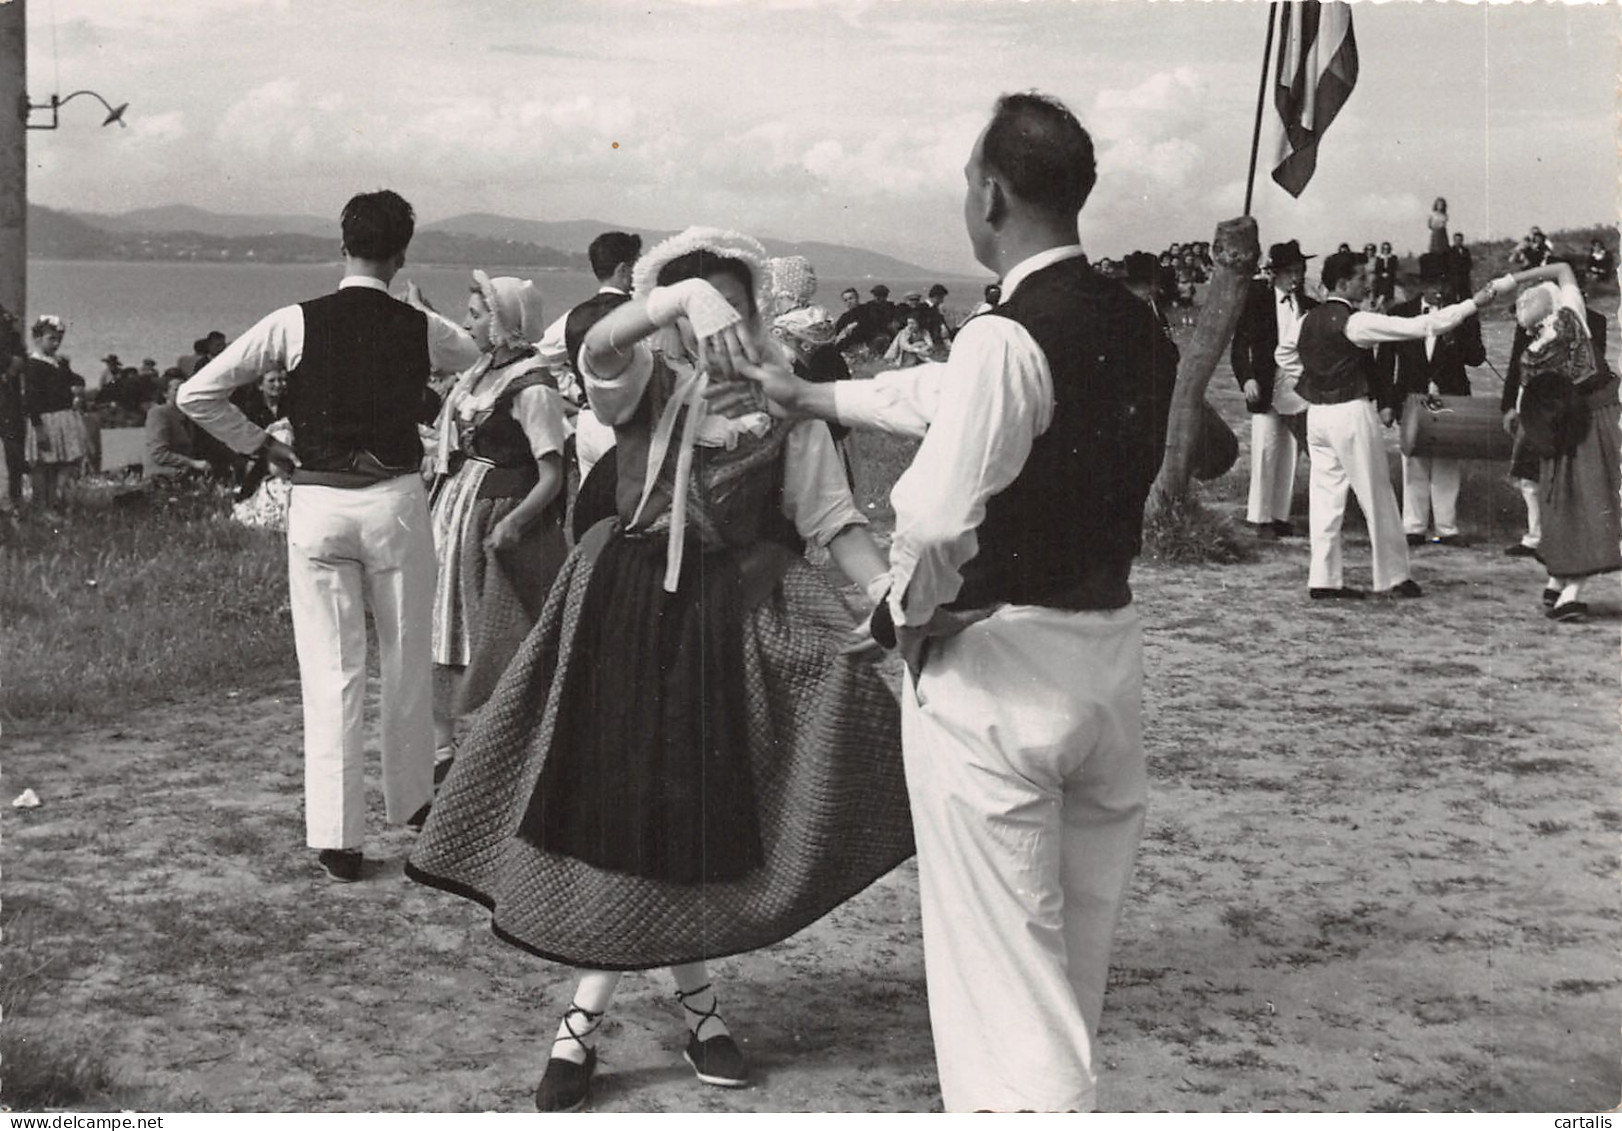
[184,232]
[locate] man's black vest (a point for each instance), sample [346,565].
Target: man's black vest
[1333,370]
[583,317]
[1065,531]
[359,385]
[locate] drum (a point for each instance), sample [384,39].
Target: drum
[1454,428]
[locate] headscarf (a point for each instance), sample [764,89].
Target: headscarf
[809,324]
[791,281]
[718,241]
[515,309]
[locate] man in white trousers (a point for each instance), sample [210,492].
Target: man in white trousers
[358,363]
[1016,526]
[1332,352]
[1274,304]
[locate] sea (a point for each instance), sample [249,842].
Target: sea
[157,309]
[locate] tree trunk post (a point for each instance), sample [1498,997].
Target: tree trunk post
[1234,254]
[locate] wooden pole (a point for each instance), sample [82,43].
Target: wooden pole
[1261,103]
[1234,253]
[14,160]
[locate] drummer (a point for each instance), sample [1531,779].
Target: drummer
[1432,366]
[1332,351]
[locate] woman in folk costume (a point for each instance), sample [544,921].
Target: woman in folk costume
[498,501]
[55,440]
[1568,411]
[683,761]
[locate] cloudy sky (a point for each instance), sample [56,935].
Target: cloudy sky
[838,120]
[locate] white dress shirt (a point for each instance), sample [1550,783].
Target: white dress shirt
[978,412]
[1367,329]
[276,341]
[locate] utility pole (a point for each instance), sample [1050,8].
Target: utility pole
[14,159]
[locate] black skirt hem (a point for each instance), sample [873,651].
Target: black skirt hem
[474,895]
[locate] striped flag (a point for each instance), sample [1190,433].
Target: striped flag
[1317,68]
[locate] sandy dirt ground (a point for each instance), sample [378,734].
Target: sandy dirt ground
[1379,873]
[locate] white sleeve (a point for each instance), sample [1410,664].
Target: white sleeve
[901,401]
[816,497]
[539,412]
[615,399]
[276,341]
[450,348]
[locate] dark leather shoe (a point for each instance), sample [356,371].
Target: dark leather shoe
[1409,588]
[717,1061]
[1263,530]
[1456,541]
[565,1085]
[1416,539]
[1283,528]
[1550,597]
[1572,612]
[1342,594]
[344,865]
[1520,550]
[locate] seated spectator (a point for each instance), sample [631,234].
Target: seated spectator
[910,346]
[171,440]
[263,403]
[263,498]
[1601,264]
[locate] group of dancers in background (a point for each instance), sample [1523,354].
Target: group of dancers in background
[1559,403]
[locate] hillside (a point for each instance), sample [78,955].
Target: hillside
[185,232]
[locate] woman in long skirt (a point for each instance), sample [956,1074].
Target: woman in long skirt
[1568,414]
[498,501]
[686,759]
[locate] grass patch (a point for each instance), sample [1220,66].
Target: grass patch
[1184,532]
[41,1065]
[115,607]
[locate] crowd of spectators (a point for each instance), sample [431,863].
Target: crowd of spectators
[51,422]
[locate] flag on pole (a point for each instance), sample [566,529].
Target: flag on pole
[1317,68]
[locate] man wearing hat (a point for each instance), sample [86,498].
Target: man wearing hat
[1141,274]
[1434,366]
[1274,306]
[882,319]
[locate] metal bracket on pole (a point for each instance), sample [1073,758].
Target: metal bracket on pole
[114,113]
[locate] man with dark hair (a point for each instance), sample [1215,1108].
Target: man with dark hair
[1016,526]
[1431,366]
[931,319]
[613,257]
[849,326]
[1275,303]
[1331,352]
[357,364]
